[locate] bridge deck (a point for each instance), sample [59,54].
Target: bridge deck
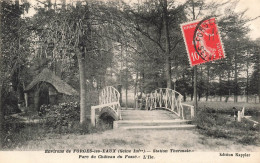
[148,115]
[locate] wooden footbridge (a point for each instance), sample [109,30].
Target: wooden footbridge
[164,110]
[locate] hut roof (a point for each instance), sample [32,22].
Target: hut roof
[47,76]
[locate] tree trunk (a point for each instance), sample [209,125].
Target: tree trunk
[25,96]
[195,90]
[159,81]
[168,73]
[184,89]
[236,84]
[120,77]
[192,83]
[195,70]
[220,85]
[126,90]
[135,93]
[2,119]
[247,77]
[121,95]
[207,93]
[200,92]
[126,84]
[142,86]
[84,113]
[167,46]
[126,99]
[2,112]
[228,83]
[258,65]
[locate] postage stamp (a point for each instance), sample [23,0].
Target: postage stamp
[202,40]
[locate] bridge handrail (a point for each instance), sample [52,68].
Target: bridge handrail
[168,89]
[168,99]
[109,97]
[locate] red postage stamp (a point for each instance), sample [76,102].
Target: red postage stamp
[202,40]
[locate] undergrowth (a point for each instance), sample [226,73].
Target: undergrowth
[54,121]
[218,125]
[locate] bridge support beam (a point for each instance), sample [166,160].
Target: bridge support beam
[111,105]
[93,116]
[108,98]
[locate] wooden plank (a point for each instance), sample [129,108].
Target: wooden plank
[105,105]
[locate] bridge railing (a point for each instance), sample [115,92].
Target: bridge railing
[168,99]
[109,97]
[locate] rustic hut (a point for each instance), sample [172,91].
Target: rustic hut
[47,88]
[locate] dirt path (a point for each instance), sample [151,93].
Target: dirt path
[148,140]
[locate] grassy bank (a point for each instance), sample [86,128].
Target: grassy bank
[214,124]
[216,119]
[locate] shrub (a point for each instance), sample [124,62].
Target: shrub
[219,125]
[55,120]
[18,133]
[249,138]
[65,118]
[60,116]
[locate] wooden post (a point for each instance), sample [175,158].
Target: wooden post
[239,116]
[192,112]
[243,112]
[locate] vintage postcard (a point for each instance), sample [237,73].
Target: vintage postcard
[129,81]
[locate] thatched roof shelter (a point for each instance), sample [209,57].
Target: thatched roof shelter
[49,77]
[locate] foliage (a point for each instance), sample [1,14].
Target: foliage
[222,126]
[54,121]
[60,115]
[150,21]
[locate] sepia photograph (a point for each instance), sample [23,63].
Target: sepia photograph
[129,80]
